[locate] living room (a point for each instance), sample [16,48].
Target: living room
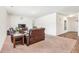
[53,19]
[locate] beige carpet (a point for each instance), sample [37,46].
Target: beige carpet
[49,45]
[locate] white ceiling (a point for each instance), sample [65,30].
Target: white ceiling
[37,11]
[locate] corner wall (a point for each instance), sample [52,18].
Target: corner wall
[3,25]
[53,23]
[60,18]
[48,22]
[78,24]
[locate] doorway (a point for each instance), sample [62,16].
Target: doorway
[71,27]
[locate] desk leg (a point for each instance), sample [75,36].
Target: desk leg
[27,41]
[23,40]
[14,43]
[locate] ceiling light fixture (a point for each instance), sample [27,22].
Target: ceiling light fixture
[71,15]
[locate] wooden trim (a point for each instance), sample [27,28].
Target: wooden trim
[14,43]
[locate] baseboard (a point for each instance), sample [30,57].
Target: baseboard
[61,33]
[50,34]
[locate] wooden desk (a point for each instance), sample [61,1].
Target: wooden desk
[15,36]
[36,35]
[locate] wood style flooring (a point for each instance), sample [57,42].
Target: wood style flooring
[51,44]
[72,35]
[67,42]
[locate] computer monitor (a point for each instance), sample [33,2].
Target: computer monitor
[21,25]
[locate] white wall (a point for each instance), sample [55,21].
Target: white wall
[60,18]
[73,24]
[3,25]
[48,22]
[78,24]
[15,20]
[53,23]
